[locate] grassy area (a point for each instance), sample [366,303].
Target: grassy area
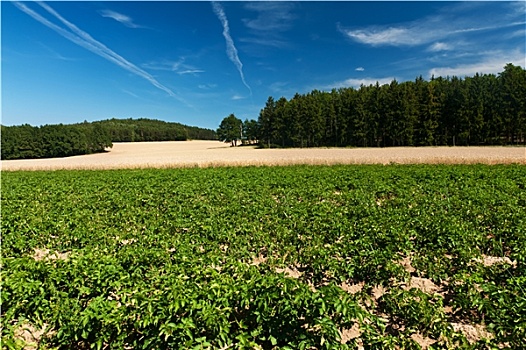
[265,257]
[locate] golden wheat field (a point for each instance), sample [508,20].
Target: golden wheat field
[215,153]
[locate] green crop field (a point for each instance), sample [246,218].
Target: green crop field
[299,257]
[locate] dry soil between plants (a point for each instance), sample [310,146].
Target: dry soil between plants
[215,153]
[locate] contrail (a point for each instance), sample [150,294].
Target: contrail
[84,40]
[231,50]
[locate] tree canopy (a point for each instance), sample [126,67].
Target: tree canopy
[49,141]
[480,110]
[230,129]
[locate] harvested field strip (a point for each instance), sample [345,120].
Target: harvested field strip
[338,257]
[213,154]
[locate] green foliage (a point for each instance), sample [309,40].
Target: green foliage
[483,109]
[257,257]
[230,129]
[50,141]
[142,129]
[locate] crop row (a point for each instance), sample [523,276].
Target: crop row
[265,257]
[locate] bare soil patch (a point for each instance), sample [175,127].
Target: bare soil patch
[493,260]
[352,288]
[424,284]
[423,341]
[214,153]
[30,336]
[473,333]
[348,334]
[46,254]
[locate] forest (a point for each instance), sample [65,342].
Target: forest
[49,141]
[484,109]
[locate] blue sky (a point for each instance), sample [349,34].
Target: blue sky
[197,62]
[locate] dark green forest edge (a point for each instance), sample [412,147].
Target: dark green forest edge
[48,141]
[484,109]
[480,110]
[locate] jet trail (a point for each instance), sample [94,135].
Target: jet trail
[231,50]
[86,41]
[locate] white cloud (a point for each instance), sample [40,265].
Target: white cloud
[359,69]
[271,20]
[178,67]
[119,17]
[271,16]
[207,86]
[130,93]
[237,97]
[230,47]
[521,33]
[439,46]
[279,87]
[264,41]
[190,71]
[493,63]
[387,36]
[85,40]
[55,54]
[453,20]
[356,83]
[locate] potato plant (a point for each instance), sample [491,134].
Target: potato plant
[298,257]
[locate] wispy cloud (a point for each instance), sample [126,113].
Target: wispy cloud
[272,19]
[356,83]
[271,16]
[264,41]
[129,93]
[384,36]
[359,69]
[190,71]
[231,50]
[451,22]
[491,63]
[237,97]
[278,87]
[207,86]
[178,67]
[83,39]
[119,17]
[55,54]
[439,46]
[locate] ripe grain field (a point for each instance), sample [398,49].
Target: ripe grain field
[214,153]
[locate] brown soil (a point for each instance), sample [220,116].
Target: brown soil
[473,333]
[347,334]
[493,260]
[215,153]
[423,341]
[29,335]
[424,284]
[258,260]
[353,288]
[46,254]
[289,272]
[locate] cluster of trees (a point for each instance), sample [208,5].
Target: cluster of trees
[483,109]
[138,130]
[49,141]
[233,129]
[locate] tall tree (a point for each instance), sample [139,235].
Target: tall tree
[513,92]
[251,130]
[266,121]
[230,129]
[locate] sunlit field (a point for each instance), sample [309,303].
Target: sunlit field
[215,153]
